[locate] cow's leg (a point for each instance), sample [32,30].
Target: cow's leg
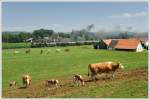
[78,83]
[93,75]
[26,84]
[106,76]
[56,85]
[75,81]
[113,74]
[83,83]
[29,82]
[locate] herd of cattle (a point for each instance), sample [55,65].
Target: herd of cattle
[41,51]
[95,69]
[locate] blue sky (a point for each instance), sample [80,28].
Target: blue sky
[68,16]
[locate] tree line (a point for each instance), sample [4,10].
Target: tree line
[81,35]
[36,34]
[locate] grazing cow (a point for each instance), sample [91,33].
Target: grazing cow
[78,80]
[51,82]
[41,51]
[105,67]
[67,50]
[26,79]
[16,52]
[58,50]
[48,51]
[28,51]
[12,83]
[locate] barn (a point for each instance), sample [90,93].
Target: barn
[129,45]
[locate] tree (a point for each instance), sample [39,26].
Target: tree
[89,27]
[41,33]
[23,36]
[63,35]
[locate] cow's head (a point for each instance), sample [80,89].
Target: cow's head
[10,84]
[121,66]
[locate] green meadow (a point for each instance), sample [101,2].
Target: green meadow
[62,65]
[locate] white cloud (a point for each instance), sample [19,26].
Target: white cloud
[140,14]
[130,15]
[127,15]
[55,27]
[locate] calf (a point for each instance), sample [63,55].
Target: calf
[28,51]
[41,51]
[48,51]
[16,52]
[26,79]
[12,83]
[67,50]
[51,82]
[58,50]
[78,80]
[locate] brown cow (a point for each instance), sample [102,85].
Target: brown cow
[26,79]
[105,67]
[41,51]
[78,79]
[28,51]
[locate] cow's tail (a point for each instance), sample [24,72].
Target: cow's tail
[88,69]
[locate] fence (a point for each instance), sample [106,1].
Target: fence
[52,44]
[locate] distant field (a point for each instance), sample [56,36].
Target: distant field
[15,45]
[130,82]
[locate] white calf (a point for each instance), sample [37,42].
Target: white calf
[78,80]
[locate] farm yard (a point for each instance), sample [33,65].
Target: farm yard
[132,82]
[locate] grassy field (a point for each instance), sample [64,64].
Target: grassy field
[131,82]
[15,45]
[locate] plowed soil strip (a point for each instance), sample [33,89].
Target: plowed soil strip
[38,89]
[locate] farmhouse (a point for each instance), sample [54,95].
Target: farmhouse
[29,40]
[106,44]
[111,43]
[132,44]
[144,42]
[129,45]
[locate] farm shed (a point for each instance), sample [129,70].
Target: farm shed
[129,45]
[29,40]
[100,45]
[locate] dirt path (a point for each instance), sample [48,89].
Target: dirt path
[38,89]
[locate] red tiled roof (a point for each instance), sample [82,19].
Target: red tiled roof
[107,41]
[127,44]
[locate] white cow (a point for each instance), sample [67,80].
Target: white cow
[58,50]
[16,52]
